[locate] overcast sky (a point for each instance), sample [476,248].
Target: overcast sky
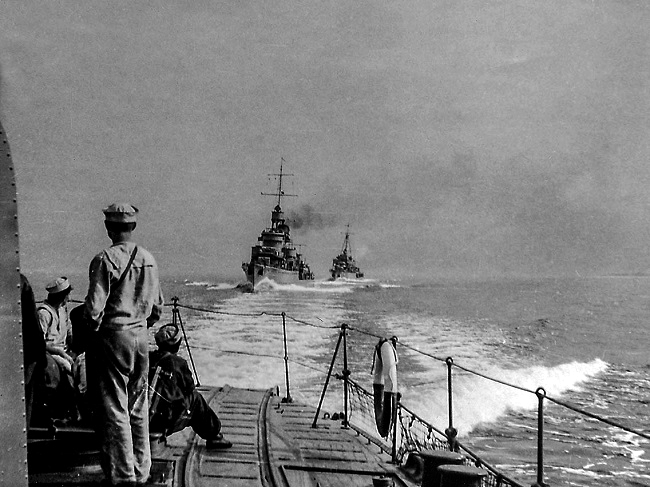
[474,138]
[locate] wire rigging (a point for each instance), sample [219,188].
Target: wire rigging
[413,349]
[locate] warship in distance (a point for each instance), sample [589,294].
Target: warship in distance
[344,265]
[275,256]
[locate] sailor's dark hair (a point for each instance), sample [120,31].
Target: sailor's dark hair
[120,226]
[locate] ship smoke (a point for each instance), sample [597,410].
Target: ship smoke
[308,218]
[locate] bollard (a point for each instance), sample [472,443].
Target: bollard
[414,467]
[432,460]
[460,476]
[382,482]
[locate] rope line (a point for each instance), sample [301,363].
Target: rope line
[499,381]
[364,332]
[229,313]
[302,322]
[599,418]
[252,354]
[251,315]
[406,345]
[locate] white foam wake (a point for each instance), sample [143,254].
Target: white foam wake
[477,400]
[221,286]
[197,283]
[266,285]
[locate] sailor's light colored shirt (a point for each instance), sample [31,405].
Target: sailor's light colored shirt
[139,297]
[55,325]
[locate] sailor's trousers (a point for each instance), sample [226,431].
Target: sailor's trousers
[118,369]
[199,416]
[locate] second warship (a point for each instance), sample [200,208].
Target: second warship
[344,265]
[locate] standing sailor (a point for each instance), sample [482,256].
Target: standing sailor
[124,299]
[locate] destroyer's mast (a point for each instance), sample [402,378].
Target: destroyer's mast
[347,248]
[277,216]
[279,193]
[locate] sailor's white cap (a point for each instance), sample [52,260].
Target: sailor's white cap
[59,285]
[120,212]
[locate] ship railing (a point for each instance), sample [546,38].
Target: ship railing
[414,435]
[410,434]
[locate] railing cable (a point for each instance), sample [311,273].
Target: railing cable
[229,313]
[256,354]
[599,418]
[470,371]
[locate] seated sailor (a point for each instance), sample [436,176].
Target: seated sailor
[58,397]
[174,401]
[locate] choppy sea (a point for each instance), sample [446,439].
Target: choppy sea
[584,340]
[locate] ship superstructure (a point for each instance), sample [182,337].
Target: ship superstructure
[275,256]
[344,265]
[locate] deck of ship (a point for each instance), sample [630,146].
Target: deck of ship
[274,445]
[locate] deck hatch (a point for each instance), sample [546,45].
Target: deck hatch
[230,468]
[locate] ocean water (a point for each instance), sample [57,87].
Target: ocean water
[584,340]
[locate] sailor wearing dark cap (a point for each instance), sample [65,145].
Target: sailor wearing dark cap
[124,299]
[168,337]
[175,403]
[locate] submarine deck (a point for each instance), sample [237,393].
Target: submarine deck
[274,445]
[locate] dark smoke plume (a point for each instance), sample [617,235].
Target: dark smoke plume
[308,218]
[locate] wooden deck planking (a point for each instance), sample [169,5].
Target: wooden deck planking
[275,445]
[328,479]
[326,456]
[239,466]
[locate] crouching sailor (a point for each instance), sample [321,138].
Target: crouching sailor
[175,403]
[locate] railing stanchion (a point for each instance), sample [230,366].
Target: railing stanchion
[541,395]
[327,380]
[451,432]
[346,376]
[450,361]
[177,313]
[288,397]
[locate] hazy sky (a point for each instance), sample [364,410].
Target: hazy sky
[457,137]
